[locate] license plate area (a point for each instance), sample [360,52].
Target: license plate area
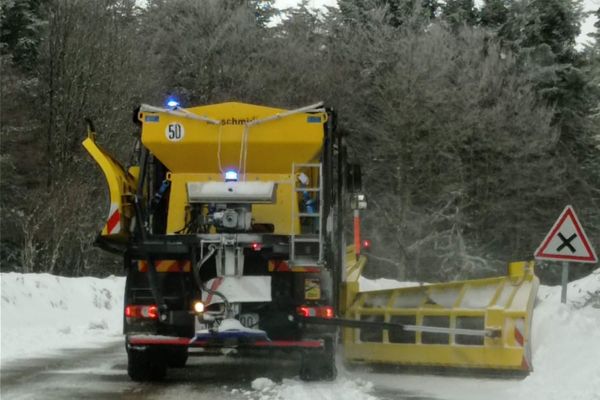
[249,320]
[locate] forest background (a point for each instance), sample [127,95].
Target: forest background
[474,125]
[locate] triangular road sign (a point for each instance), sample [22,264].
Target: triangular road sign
[566,241]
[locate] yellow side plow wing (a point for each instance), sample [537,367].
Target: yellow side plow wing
[482,323]
[121,185]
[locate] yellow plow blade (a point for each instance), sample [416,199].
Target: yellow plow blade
[121,185]
[481,323]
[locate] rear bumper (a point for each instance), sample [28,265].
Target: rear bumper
[152,340]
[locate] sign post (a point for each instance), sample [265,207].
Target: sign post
[566,241]
[564,281]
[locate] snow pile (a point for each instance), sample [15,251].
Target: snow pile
[262,384]
[41,313]
[566,343]
[292,389]
[367,285]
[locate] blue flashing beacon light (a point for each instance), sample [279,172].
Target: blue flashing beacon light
[171,102]
[231,176]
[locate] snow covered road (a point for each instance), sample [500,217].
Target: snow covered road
[101,374]
[42,315]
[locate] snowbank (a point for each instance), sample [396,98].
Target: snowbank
[41,313]
[566,344]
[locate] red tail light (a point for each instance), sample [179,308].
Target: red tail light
[318,311]
[256,246]
[304,311]
[138,312]
[151,312]
[366,244]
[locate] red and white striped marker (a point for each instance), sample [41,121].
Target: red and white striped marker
[520,339]
[113,225]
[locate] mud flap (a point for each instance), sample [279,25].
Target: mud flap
[319,365]
[121,185]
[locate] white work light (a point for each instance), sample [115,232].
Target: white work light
[199,307]
[231,176]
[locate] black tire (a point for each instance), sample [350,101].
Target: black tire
[146,365]
[319,366]
[177,357]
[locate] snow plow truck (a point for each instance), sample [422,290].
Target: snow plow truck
[231,223]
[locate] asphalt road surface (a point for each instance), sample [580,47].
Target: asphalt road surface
[101,374]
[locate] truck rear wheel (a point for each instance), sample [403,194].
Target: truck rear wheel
[146,365]
[177,357]
[319,366]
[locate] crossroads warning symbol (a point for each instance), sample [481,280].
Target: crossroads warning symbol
[566,241]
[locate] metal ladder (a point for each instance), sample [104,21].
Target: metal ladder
[316,217]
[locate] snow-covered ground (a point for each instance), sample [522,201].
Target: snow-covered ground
[44,313]
[41,313]
[346,388]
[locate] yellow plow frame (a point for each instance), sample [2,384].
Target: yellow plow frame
[482,323]
[121,185]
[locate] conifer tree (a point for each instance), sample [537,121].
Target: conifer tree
[21,22]
[494,13]
[459,12]
[398,12]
